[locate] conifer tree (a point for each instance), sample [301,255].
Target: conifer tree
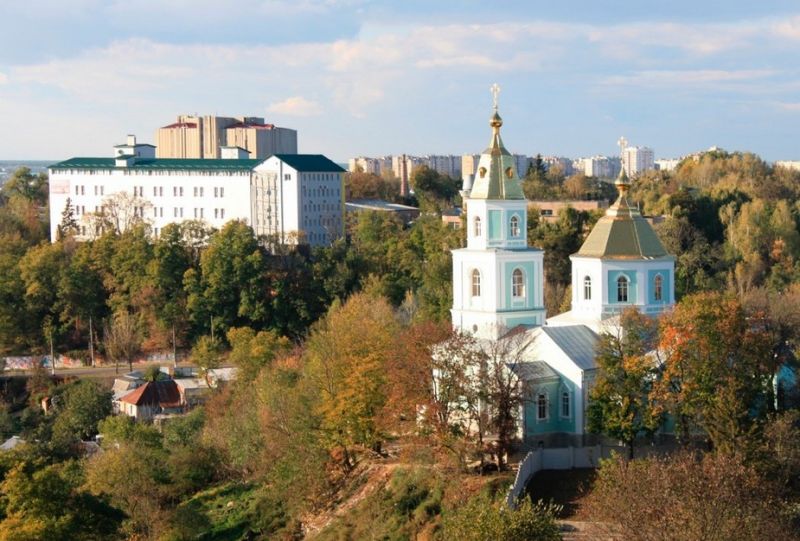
[68,225]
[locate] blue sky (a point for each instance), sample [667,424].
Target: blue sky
[356,77]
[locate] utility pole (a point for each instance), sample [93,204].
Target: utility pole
[91,341]
[212,328]
[52,355]
[174,349]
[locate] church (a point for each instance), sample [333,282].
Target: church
[498,292]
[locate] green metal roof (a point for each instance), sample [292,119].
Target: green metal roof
[312,163]
[163,164]
[496,177]
[623,234]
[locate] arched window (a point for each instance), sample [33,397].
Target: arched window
[515,226]
[622,289]
[517,283]
[541,406]
[476,283]
[477,226]
[658,288]
[565,404]
[587,288]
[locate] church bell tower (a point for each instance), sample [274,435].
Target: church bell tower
[497,279]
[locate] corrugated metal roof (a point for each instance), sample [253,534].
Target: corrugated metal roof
[578,342]
[310,163]
[533,370]
[624,234]
[163,164]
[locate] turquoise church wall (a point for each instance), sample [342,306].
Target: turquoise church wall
[666,286]
[529,268]
[555,422]
[495,224]
[612,286]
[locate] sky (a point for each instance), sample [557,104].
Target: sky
[359,77]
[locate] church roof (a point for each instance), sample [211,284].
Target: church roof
[623,233]
[535,370]
[578,342]
[496,176]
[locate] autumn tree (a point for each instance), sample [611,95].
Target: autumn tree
[345,359]
[627,364]
[122,339]
[68,225]
[717,370]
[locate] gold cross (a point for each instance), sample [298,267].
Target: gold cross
[495,90]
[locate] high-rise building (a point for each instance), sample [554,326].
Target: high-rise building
[193,136]
[297,198]
[637,160]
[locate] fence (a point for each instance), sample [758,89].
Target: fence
[559,458]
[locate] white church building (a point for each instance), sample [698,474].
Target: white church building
[498,292]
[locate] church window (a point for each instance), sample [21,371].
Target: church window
[622,289]
[587,288]
[476,283]
[477,226]
[515,226]
[658,288]
[541,406]
[565,404]
[482,172]
[517,283]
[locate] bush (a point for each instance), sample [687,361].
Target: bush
[481,519]
[687,498]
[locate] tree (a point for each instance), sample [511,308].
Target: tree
[48,503]
[717,371]
[345,357]
[122,339]
[627,364]
[362,185]
[251,351]
[171,259]
[207,355]
[78,408]
[24,184]
[433,189]
[120,212]
[230,285]
[68,225]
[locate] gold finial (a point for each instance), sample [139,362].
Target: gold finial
[496,121]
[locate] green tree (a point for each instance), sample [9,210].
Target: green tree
[434,190]
[618,401]
[230,285]
[251,351]
[207,355]
[171,259]
[78,408]
[48,503]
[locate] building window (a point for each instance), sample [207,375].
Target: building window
[216,192]
[222,213]
[515,226]
[174,191]
[222,192]
[565,404]
[195,191]
[517,283]
[541,406]
[476,283]
[658,288]
[622,289]
[477,226]
[587,288]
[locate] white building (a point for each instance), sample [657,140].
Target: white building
[294,196]
[637,160]
[792,165]
[597,166]
[668,164]
[444,164]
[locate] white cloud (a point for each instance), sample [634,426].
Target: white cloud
[295,106]
[3,78]
[791,107]
[673,78]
